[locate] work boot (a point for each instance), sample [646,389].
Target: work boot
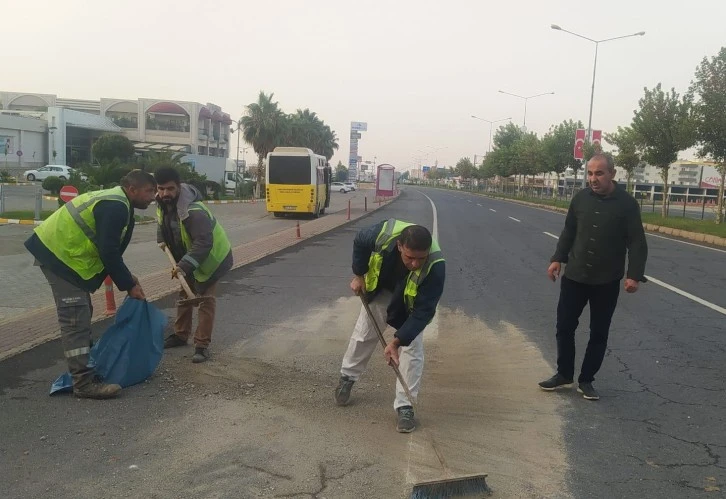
[174,340]
[588,392]
[95,389]
[342,393]
[555,382]
[200,355]
[406,424]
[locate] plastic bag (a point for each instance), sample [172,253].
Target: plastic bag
[129,351]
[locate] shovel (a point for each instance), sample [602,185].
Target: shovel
[192,298]
[460,486]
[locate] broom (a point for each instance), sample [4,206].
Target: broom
[461,486]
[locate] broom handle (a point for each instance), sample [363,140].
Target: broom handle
[182,280]
[383,342]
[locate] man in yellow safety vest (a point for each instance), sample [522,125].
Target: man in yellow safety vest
[400,269]
[76,248]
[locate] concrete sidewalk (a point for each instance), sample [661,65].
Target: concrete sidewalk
[22,332]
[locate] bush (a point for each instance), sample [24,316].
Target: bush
[53,184]
[6,178]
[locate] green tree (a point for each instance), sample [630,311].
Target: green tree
[113,147]
[465,169]
[341,172]
[558,146]
[664,126]
[709,87]
[264,127]
[628,158]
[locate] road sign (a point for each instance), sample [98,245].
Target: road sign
[579,143]
[68,192]
[359,126]
[19,153]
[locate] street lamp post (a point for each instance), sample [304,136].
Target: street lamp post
[526,98]
[236,163]
[594,69]
[491,125]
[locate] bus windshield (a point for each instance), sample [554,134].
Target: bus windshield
[290,170]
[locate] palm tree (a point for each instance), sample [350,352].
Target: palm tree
[263,127]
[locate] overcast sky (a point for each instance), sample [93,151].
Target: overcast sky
[415,71]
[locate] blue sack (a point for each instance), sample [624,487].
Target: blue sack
[129,350]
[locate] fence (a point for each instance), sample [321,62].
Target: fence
[689,202]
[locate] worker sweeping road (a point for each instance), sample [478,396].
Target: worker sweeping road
[76,248]
[400,270]
[202,253]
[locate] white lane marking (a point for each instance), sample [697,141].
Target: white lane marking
[515,219]
[688,295]
[468,200]
[431,333]
[685,242]
[492,209]
[667,286]
[478,204]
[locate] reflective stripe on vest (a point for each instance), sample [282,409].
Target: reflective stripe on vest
[70,232]
[414,279]
[203,271]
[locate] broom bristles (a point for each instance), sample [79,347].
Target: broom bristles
[468,486]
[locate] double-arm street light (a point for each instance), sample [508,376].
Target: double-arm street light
[491,125]
[526,98]
[594,69]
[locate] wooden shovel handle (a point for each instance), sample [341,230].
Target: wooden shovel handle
[182,280]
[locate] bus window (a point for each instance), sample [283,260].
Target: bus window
[290,170]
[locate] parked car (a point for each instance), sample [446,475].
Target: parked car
[340,186]
[352,185]
[63,172]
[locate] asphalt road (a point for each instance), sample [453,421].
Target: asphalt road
[258,419]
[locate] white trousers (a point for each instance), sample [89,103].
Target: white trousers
[364,341]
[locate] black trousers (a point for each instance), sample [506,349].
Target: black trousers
[573,297]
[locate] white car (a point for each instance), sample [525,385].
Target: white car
[352,185]
[340,187]
[63,172]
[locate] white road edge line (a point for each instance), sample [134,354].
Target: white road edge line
[685,242]
[667,286]
[515,219]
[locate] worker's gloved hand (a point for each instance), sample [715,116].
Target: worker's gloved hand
[137,293]
[391,352]
[176,272]
[358,285]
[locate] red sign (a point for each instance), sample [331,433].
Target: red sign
[579,142]
[68,192]
[597,139]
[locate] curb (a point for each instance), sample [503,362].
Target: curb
[7,221]
[669,231]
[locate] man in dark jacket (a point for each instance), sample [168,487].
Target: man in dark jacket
[603,221]
[76,248]
[202,252]
[400,269]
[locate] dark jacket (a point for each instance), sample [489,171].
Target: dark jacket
[598,231]
[111,218]
[198,226]
[393,277]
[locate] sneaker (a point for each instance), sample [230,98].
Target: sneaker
[342,393]
[200,355]
[555,382]
[588,392]
[96,390]
[406,424]
[173,341]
